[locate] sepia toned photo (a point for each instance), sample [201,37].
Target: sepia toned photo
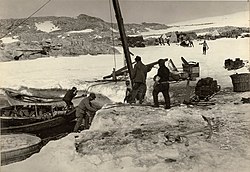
[124,86]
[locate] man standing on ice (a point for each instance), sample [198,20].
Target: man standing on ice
[162,84]
[204,47]
[85,111]
[128,91]
[139,76]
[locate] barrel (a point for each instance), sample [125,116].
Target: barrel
[241,82]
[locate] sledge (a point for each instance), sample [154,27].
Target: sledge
[119,72]
[124,70]
[33,118]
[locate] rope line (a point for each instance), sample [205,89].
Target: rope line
[26,19]
[87,90]
[112,32]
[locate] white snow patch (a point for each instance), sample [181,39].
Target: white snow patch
[112,29]
[202,33]
[97,36]
[245,34]
[7,40]
[240,19]
[47,26]
[81,31]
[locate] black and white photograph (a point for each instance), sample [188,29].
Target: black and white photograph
[124,86]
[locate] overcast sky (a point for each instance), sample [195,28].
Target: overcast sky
[133,11]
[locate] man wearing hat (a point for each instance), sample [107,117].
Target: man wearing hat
[162,84]
[69,96]
[84,111]
[139,76]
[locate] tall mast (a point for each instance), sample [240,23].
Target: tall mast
[123,37]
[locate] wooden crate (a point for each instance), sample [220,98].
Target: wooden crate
[192,69]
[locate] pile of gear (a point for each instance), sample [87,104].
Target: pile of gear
[206,88]
[245,100]
[233,65]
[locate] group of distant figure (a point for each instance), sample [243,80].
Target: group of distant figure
[163,39]
[184,43]
[187,43]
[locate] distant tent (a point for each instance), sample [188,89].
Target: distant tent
[215,33]
[164,36]
[173,38]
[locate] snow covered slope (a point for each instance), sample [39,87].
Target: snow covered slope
[240,19]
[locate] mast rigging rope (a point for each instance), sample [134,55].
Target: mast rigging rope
[112,32]
[26,19]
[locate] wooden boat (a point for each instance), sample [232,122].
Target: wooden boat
[17,98]
[33,118]
[17,147]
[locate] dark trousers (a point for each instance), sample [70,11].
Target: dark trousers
[164,88]
[69,103]
[138,91]
[204,50]
[80,115]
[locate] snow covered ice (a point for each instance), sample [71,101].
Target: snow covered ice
[65,72]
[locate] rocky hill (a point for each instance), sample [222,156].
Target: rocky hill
[68,36]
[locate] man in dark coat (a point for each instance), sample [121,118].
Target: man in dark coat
[204,47]
[85,111]
[139,76]
[69,96]
[162,84]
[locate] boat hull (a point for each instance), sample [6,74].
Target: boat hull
[16,98]
[34,125]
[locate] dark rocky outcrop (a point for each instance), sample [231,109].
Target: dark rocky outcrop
[65,43]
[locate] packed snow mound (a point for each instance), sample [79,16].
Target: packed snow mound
[46,26]
[133,138]
[114,116]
